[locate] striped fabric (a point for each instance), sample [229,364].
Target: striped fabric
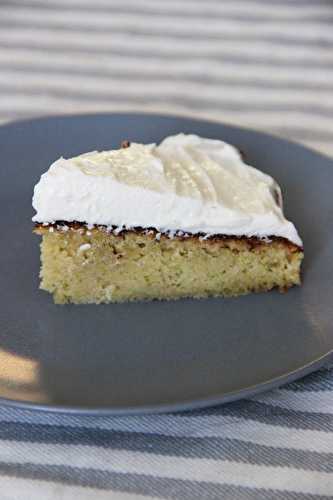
[275,446]
[257,63]
[262,64]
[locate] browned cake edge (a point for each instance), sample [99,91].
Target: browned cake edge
[224,240]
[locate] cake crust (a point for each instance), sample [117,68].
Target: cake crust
[152,233]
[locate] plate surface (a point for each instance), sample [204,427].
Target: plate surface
[162,356]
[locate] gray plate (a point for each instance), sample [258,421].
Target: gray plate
[157,356]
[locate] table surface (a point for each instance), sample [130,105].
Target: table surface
[258,64]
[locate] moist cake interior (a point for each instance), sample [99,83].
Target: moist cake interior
[97,265]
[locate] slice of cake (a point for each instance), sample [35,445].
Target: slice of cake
[185,218]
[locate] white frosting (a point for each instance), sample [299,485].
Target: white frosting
[186,183]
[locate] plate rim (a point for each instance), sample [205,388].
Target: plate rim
[184,116]
[192,404]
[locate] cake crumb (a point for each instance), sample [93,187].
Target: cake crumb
[84,247]
[117,230]
[205,237]
[266,239]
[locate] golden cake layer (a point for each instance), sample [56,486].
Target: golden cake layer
[100,265]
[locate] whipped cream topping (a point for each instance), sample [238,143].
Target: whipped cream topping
[186,183]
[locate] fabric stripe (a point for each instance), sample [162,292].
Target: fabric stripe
[219,472]
[56,23]
[313,402]
[204,425]
[274,414]
[316,113]
[154,76]
[41,490]
[101,41]
[32,28]
[135,483]
[76,36]
[321,380]
[162,89]
[298,4]
[170,24]
[226,73]
[190,447]
[166,48]
[203,13]
[254,9]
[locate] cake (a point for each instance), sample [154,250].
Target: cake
[185,218]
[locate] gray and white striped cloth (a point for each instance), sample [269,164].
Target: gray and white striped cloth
[256,63]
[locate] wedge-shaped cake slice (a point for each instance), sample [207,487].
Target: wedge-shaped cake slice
[185,218]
